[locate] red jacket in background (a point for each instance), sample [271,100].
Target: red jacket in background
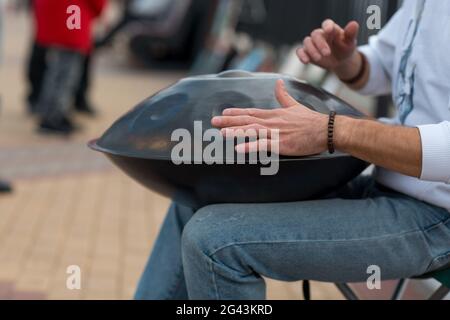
[51,23]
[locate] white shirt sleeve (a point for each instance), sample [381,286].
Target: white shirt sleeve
[380,53]
[435,152]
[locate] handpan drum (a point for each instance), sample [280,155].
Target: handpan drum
[140,143]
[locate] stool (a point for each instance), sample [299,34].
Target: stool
[442,276]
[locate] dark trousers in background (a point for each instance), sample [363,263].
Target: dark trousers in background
[37,66]
[61,78]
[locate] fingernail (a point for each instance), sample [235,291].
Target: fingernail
[216,120]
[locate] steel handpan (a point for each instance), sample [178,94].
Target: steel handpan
[141,143]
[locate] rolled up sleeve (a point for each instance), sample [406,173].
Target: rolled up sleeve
[380,53]
[379,82]
[435,152]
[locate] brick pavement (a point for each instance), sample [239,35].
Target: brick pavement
[70,206]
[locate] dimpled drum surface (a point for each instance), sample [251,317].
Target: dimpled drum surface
[140,143]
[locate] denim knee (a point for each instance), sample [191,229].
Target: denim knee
[206,231]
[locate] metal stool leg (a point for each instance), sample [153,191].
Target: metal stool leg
[306,290]
[346,291]
[399,289]
[440,293]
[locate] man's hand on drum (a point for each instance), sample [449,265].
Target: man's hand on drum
[301,131]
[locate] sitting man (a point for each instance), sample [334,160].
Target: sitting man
[397,219]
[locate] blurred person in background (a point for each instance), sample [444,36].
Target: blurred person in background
[66,55]
[4,185]
[37,65]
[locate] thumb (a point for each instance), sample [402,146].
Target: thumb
[351,31]
[283,96]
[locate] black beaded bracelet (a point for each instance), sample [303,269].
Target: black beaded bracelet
[361,72]
[331,132]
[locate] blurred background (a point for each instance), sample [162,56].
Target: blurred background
[62,204]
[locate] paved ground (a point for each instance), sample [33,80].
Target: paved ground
[70,206]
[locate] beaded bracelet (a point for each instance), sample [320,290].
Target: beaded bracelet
[331,132]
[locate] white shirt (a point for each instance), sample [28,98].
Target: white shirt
[410,57]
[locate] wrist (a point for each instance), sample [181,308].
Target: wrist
[343,127]
[350,67]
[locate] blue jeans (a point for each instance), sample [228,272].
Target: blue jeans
[59,84]
[223,250]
